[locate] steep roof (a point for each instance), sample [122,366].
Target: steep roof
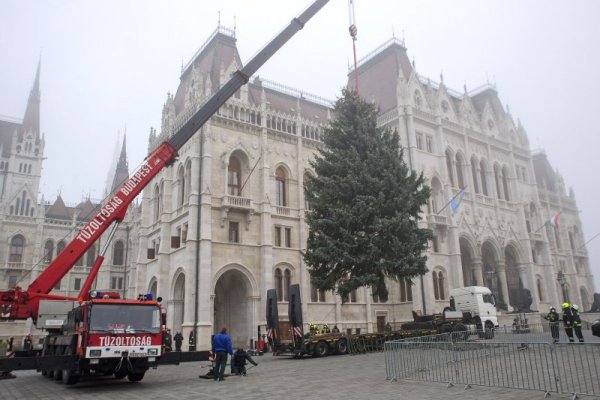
[7,131]
[217,53]
[378,74]
[59,210]
[544,173]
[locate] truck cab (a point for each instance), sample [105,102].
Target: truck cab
[479,302]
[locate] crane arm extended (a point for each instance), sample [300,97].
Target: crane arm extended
[21,304]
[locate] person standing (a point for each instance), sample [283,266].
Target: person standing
[221,346]
[568,320]
[577,322]
[553,318]
[178,338]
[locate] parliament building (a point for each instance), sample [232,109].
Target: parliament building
[226,222]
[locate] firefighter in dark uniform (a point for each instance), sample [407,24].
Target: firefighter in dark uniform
[577,322]
[178,338]
[553,318]
[568,320]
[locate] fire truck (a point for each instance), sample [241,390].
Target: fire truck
[97,332]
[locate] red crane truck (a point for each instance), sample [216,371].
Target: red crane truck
[99,332]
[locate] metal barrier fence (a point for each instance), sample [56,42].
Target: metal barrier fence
[511,360]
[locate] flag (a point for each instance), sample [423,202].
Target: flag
[457,200]
[554,221]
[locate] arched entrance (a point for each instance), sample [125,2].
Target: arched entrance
[178,302]
[489,258]
[516,293]
[466,259]
[233,308]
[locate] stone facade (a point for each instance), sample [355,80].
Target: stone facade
[226,221]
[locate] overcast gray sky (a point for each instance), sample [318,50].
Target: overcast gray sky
[109,64]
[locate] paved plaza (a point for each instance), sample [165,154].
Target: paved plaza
[335,377]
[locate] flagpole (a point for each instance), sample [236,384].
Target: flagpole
[594,237]
[448,203]
[546,223]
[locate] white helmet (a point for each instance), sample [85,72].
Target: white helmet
[575,307]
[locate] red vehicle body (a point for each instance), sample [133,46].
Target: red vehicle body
[77,346]
[107,336]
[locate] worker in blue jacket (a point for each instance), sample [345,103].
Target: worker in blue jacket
[221,346]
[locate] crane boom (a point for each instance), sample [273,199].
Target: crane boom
[20,304]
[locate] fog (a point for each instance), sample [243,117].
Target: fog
[106,68]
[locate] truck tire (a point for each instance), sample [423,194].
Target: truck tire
[460,332]
[445,332]
[341,347]
[489,330]
[120,374]
[136,376]
[69,377]
[321,349]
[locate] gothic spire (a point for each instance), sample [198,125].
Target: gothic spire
[122,170]
[31,120]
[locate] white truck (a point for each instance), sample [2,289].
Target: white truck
[472,310]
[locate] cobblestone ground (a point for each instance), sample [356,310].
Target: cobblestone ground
[336,377]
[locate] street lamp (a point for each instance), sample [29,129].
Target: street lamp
[562,280]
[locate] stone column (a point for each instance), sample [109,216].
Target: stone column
[501,270]
[477,270]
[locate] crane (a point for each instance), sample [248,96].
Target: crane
[88,340]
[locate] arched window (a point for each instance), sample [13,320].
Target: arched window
[474,173]
[17,243]
[156,203]
[436,195]
[279,284]
[449,167]
[571,241]
[405,290]
[305,182]
[48,251]
[60,246]
[181,191]
[417,99]
[90,256]
[459,171]
[482,174]
[280,194]
[234,173]
[439,284]
[187,181]
[118,252]
[505,182]
[287,281]
[316,296]
[498,179]
[540,287]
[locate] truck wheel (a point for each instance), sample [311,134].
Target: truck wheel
[341,347]
[122,373]
[321,349]
[69,377]
[445,331]
[460,332]
[489,330]
[136,376]
[57,374]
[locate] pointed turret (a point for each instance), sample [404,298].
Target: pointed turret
[31,121]
[122,170]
